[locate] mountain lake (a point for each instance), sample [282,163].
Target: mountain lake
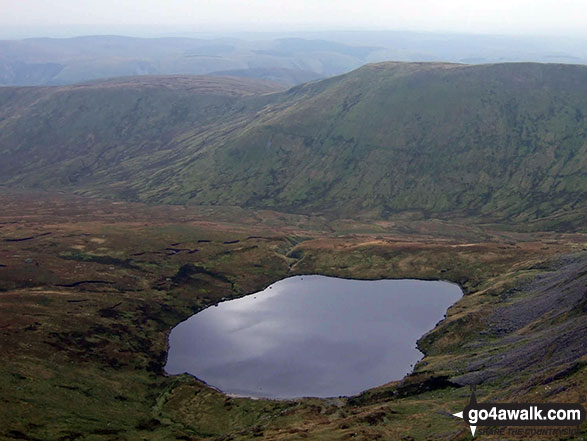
[310,336]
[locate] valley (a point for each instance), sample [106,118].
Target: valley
[129,204]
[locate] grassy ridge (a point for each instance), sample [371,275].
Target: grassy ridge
[505,141]
[68,136]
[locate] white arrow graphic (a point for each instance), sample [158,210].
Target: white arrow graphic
[473,428]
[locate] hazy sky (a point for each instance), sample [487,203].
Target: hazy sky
[548,17]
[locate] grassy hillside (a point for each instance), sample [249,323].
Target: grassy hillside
[498,139]
[62,136]
[287,77]
[504,141]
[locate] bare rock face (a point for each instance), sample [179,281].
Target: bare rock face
[541,325]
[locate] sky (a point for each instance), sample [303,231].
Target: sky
[510,17]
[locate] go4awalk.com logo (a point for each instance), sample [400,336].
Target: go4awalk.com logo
[548,415]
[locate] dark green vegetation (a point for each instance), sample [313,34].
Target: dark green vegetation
[505,142]
[91,289]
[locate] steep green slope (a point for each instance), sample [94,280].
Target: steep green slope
[497,138]
[505,141]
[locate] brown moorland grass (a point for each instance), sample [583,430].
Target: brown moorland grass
[89,290]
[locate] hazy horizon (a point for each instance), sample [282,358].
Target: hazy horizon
[155,18]
[287,42]
[22,33]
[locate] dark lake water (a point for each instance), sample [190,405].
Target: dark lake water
[310,336]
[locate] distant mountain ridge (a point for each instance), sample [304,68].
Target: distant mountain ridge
[49,61]
[290,60]
[503,141]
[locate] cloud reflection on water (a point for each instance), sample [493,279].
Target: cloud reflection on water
[311,335]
